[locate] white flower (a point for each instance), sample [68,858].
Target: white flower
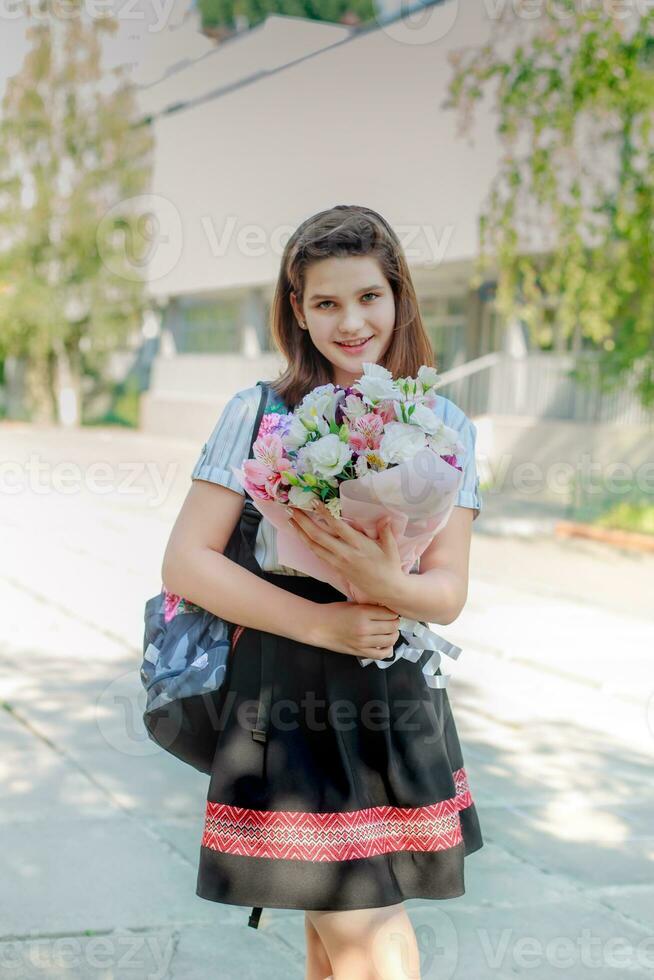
[304,499]
[333,505]
[372,370]
[321,401]
[428,376]
[328,455]
[297,434]
[317,392]
[318,412]
[376,385]
[374,460]
[425,418]
[445,441]
[355,407]
[303,463]
[401,441]
[361,466]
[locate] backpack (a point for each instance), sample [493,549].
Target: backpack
[186,652]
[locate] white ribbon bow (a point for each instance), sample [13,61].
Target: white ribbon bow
[420,638]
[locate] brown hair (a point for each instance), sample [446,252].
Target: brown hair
[345,229]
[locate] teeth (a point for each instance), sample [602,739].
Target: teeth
[357,344]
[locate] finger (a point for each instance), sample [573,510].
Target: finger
[339,527]
[317,549]
[382,613]
[385,636]
[380,653]
[387,536]
[313,531]
[326,522]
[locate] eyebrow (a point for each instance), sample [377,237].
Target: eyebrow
[368,289]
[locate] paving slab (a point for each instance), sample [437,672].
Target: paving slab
[631,901]
[182,833]
[38,781]
[523,695]
[72,874]
[594,846]
[571,938]
[139,955]
[241,954]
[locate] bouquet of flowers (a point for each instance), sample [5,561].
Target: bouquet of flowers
[375,449]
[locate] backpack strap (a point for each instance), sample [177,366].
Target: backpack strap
[263,401]
[255,915]
[250,516]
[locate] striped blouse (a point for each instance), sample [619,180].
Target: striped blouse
[228,445]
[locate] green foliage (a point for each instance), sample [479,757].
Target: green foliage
[575,103]
[124,409]
[69,154]
[612,503]
[628,516]
[223,13]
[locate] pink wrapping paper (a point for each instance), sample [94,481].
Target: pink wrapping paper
[418,495]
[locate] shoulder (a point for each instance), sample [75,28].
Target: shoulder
[236,417]
[248,398]
[453,415]
[242,405]
[229,440]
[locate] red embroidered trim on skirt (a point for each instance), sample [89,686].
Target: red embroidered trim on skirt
[335,836]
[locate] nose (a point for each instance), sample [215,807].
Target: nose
[352,321]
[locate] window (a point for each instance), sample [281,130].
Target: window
[445,320]
[204,326]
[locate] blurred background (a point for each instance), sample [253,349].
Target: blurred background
[154,158]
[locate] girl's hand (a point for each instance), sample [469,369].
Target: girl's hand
[371,566]
[360,629]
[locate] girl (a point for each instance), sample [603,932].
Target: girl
[335,788]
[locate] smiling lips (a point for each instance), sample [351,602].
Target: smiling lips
[353,346]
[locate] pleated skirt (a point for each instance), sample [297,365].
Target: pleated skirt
[333,786]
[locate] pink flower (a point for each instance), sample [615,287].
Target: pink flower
[256,476]
[273,486]
[269,450]
[452,460]
[357,441]
[371,428]
[269,423]
[386,412]
[171,602]
[262,474]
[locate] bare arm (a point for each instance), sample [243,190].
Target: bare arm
[195,567]
[438,593]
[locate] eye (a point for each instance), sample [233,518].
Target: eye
[322,306]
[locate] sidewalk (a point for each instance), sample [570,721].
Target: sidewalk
[553,700]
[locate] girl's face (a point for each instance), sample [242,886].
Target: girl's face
[347,299]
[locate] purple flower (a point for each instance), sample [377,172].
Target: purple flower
[339,415]
[269,423]
[452,460]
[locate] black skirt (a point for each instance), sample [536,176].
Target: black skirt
[334,786]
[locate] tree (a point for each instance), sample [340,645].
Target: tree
[69,154]
[225,14]
[575,102]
